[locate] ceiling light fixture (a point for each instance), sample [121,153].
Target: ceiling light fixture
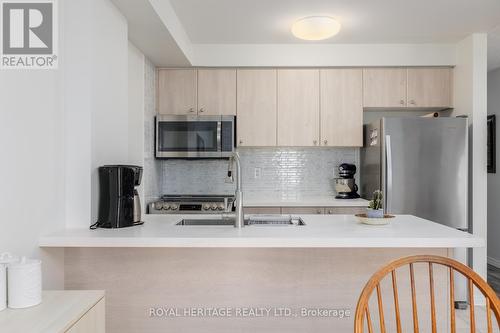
[315,27]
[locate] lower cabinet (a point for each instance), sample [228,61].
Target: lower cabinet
[345,210]
[93,321]
[304,210]
[262,210]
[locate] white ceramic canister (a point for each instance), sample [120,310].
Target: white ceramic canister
[24,283]
[5,259]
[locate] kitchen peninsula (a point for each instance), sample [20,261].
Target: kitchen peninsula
[323,264]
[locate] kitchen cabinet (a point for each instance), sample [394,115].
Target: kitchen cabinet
[305,210]
[177,91]
[71,311]
[262,210]
[384,87]
[216,91]
[256,107]
[408,88]
[341,104]
[430,87]
[345,210]
[298,107]
[302,210]
[92,322]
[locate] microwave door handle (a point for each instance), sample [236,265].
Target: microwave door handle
[219,130]
[388,193]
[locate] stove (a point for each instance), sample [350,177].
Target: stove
[192,204]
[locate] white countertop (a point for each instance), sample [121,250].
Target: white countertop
[59,310]
[311,201]
[327,231]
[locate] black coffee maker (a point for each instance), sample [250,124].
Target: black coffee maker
[345,185]
[119,204]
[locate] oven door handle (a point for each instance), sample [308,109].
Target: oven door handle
[219,131]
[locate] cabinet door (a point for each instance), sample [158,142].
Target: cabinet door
[341,107]
[302,210]
[177,91]
[262,210]
[345,210]
[384,87]
[298,107]
[256,107]
[217,91]
[429,87]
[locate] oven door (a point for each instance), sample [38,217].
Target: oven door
[188,136]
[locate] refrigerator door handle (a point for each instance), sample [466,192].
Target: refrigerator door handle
[388,193]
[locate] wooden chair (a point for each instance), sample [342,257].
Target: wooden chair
[363,311]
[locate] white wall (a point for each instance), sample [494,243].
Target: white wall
[494,178]
[101,129]
[32,165]
[323,55]
[57,126]
[470,94]
[136,64]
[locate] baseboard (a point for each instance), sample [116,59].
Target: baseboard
[494,262]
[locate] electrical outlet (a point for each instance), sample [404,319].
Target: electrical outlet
[257,172]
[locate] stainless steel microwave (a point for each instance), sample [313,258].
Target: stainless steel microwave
[195,136]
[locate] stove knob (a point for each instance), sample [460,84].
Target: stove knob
[220,207]
[206,207]
[213,207]
[174,207]
[166,207]
[158,205]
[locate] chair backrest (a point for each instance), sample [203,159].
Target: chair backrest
[473,279]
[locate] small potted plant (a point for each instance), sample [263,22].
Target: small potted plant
[375,209]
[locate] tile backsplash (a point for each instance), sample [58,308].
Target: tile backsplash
[271,172]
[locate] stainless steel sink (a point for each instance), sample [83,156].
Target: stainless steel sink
[257,220]
[205,222]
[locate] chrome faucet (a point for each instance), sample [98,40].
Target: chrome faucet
[239,221]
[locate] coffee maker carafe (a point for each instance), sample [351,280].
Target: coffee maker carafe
[345,185]
[119,203]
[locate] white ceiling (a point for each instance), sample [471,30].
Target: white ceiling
[364,21]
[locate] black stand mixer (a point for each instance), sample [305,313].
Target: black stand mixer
[345,185]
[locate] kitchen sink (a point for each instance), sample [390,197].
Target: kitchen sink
[257,220]
[205,222]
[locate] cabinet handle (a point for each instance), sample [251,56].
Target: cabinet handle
[315,142]
[412,102]
[202,110]
[318,211]
[241,142]
[402,102]
[191,110]
[325,142]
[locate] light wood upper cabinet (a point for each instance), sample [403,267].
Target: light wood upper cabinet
[341,107]
[256,107]
[298,107]
[217,91]
[384,87]
[177,91]
[429,87]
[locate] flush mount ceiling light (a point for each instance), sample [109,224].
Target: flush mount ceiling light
[315,27]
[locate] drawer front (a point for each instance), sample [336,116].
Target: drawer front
[345,210]
[302,210]
[262,210]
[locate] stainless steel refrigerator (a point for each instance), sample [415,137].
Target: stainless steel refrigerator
[421,165]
